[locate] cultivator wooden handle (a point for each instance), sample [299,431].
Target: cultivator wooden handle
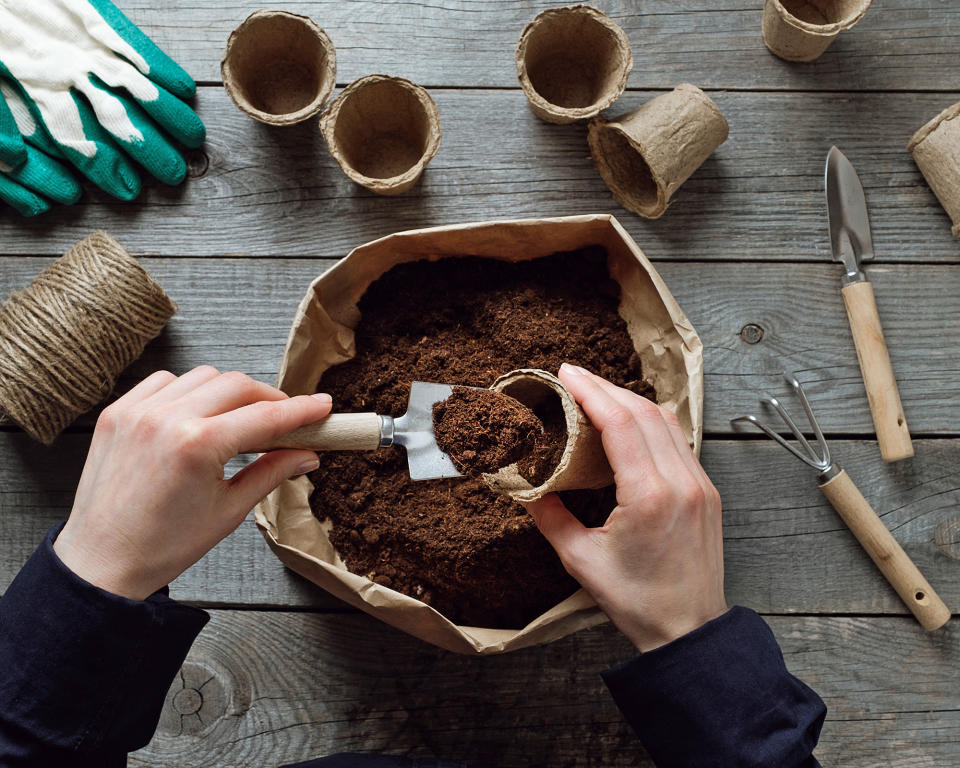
[885,551]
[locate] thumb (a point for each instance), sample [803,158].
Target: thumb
[252,483]
[557,524]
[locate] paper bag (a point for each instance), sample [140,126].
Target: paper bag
[670,351]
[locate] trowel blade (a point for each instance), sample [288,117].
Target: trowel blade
[850,238]
[414,431]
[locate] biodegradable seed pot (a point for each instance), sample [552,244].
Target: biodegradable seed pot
[581,464]
[801,30]
[936,151]
[645,155]
[279,67]
[344,339]
[382,131]
[572,63]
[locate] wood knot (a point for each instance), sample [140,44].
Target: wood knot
[751,333]
[187,701]
[197,700]
[947,537]
[198,163]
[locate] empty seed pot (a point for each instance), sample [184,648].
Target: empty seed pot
[801,30]
[936,151]
[279,68]
[645,155]
[572,63]
[583,463]
[383,131]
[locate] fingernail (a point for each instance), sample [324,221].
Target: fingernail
[575,370]
[323,397]
[307,466]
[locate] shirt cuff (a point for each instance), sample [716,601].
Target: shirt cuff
[85,669]
[720,695]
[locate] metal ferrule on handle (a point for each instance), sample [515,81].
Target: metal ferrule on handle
[387,428]
[852,277]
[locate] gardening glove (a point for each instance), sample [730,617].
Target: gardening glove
[81,83]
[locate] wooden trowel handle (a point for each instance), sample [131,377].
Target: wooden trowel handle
[884,550]
[338,432]
[888,419]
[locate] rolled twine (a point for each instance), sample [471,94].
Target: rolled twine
[66,338]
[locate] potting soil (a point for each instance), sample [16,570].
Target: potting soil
[475,556]
[482,431]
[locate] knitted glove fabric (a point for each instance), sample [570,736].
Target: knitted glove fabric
[82,86]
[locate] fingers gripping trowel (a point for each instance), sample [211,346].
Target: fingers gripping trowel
[369,431]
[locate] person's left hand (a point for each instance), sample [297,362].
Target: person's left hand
[152,498]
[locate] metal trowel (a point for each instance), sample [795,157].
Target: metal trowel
[851,242]
[369,431]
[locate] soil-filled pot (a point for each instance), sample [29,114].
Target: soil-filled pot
[322,336]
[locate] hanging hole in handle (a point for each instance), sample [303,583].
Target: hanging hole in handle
[920,597]
[900,424]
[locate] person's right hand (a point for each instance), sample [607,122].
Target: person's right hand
[656,566]
[153,498]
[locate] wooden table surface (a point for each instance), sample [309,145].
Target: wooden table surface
[284,671]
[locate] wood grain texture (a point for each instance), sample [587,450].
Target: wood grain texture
[264,191]
[277,688]
[339,432]
[470,43]
[879,379]
[786,550]
[754,320]
[886,552]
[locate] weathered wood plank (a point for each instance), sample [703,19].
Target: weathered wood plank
[236,313]
[37,486]
[786,550]
[282,687]
[902,44]
[276,192]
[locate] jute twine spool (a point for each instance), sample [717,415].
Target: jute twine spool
[279,67]
[66,338]
[645,155]
[572,62]
[382,131]
[801,30]
[583,463]
[936,151]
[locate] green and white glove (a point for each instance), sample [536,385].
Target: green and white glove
[82,86]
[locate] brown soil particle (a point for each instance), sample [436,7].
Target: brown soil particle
[475,556]
[483,431]
[537,465]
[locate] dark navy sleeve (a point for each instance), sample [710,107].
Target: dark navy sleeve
[720,696]
[84,672]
